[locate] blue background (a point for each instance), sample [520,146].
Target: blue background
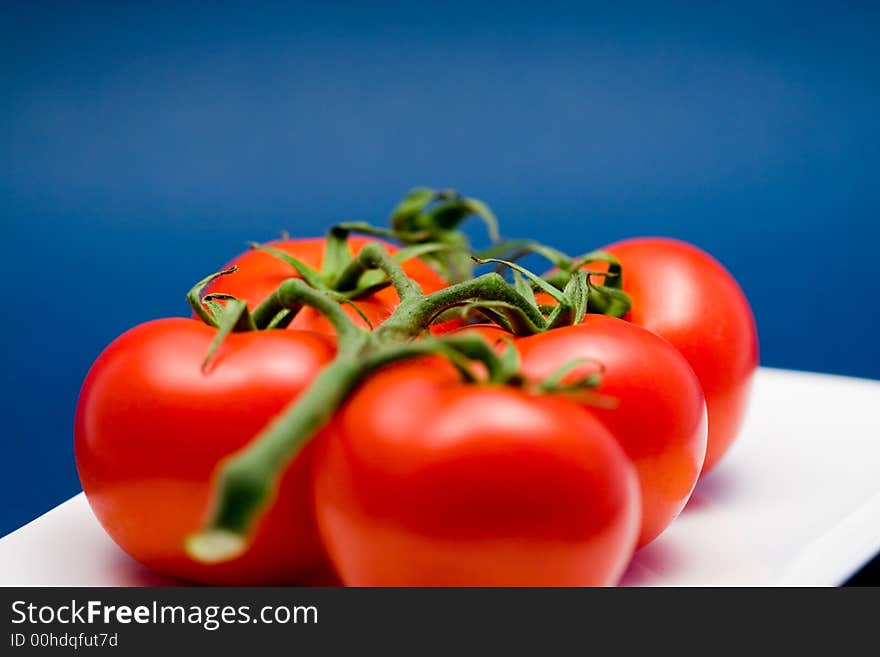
[142,145]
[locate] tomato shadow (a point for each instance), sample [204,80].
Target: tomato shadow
[713,489]
[652,562]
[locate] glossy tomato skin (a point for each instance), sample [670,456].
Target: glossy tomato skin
[659,412]
[260,273]
[684,295]
[426,481]
[151,428]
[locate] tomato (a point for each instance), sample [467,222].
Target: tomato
[425,480]
[151,428]
[260,273]
[686,296]
[491,333]
[660,414]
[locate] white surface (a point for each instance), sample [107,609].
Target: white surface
[796,502]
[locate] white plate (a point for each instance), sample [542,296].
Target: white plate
[796,502]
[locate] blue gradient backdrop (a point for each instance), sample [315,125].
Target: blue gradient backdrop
[142,145]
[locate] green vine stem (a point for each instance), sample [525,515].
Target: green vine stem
[433,216]
[248,481]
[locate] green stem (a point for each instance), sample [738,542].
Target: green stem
[413,315]
[375,256]
[248,481]
[365,228]
[294,293]
[266,314]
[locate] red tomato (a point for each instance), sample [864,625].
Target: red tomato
[151,428]
[447,326]
[660,413]
[259,274]
[686,296]
[492,333]
[425,480]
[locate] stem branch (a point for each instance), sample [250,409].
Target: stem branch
[294,293]
[375,256]
[249,480]
[414,315]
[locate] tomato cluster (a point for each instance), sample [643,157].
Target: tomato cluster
[430,471]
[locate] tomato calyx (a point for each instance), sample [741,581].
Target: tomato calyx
[428,216]
[572,297]
[570,301]
[577,379]
[580,386]
[231,316]
[606,298]
[207,309]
